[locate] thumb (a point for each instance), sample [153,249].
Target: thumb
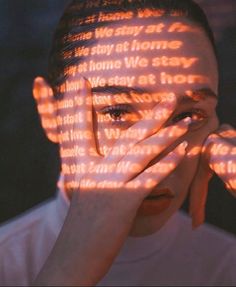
[199,191]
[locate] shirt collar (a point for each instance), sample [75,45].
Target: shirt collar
[140,248]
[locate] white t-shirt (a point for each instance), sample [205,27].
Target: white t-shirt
[175,255]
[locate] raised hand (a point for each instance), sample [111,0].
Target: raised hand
[99,173]
[104,196]
[219,156]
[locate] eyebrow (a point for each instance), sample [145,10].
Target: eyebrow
[189,97]
[197,96]
[118,89]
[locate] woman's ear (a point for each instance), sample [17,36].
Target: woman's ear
[43,96]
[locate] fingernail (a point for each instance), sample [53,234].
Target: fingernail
[184,144]
[187,121]
[164,108]
[169,99]
[182,147]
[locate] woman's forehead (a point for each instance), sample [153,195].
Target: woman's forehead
[172,53]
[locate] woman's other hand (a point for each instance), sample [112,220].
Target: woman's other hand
[218,156]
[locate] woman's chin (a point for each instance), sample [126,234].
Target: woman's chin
[154,206]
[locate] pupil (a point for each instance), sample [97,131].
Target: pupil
[116,114]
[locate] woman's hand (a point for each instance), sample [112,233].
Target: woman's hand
[219,156]
[122,170]
[106,190]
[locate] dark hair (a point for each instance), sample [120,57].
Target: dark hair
[83,16]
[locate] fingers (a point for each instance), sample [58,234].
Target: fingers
[223,161]
[227,132]
[220,148]
[78,144]
[141,154]
[198,193]
[153,122]
[144,128]
[144,152]
[76,118]
[219,156]
[83,129]
[153,175]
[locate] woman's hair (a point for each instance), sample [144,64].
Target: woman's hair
[81,17]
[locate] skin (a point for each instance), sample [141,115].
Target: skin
[179,181]
[218,155]
[125,207]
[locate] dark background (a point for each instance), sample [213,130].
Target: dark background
[29,163]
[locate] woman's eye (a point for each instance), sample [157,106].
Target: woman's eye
[198,117]
[118,114]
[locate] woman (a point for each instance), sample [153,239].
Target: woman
[131,99]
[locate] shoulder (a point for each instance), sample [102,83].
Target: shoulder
[26,241]
[205,233]
[26,222]
[212,250]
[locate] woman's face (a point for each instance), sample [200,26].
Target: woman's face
[134,65]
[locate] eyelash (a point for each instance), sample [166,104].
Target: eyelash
[196,115]
[115,113]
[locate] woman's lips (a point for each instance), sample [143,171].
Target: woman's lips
[156,202]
